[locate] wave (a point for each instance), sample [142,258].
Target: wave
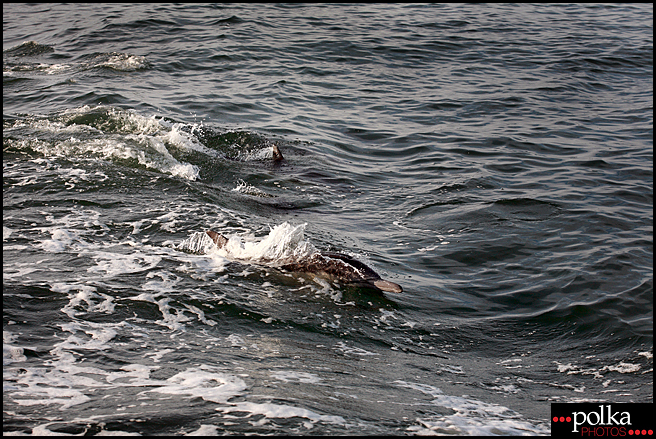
[121,62]
[284,244]
[28,48]
[127,138]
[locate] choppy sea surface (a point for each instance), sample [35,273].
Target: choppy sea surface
[496,161]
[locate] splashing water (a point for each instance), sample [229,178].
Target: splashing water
[283,244]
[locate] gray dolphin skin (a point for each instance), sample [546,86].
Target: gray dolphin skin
[332,266]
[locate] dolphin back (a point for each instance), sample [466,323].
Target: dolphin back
[333,265]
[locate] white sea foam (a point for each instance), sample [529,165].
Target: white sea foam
[207,384]
[172,320]
[66,382]
[236,341]
[352,350]
[68,232]
[113,264]
[198,242]
[622,367]
[10,352]
[205,430]
[86,298]
[200,314]
[257,154]
[471,417]
[283,244]
[115,134]
[167,283]
[281,411]
[122,61]
[87,336]
[183,140]
[126,136]
[449,368]
[245,188]
[202,267]
[294,376]
[61,238]
[385,316]
[597,372]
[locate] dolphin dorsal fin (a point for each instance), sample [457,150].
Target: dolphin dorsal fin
[218,238]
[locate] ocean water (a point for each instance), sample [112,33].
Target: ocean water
[496,161]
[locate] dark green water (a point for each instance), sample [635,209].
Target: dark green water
[496,161]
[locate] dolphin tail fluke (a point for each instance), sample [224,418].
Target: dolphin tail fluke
[388,286]
[218,238]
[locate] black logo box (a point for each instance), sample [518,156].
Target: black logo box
[603,419]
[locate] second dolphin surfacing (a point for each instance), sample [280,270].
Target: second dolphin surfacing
[335,266]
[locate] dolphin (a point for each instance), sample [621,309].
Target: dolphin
[330,265]
[277,155]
